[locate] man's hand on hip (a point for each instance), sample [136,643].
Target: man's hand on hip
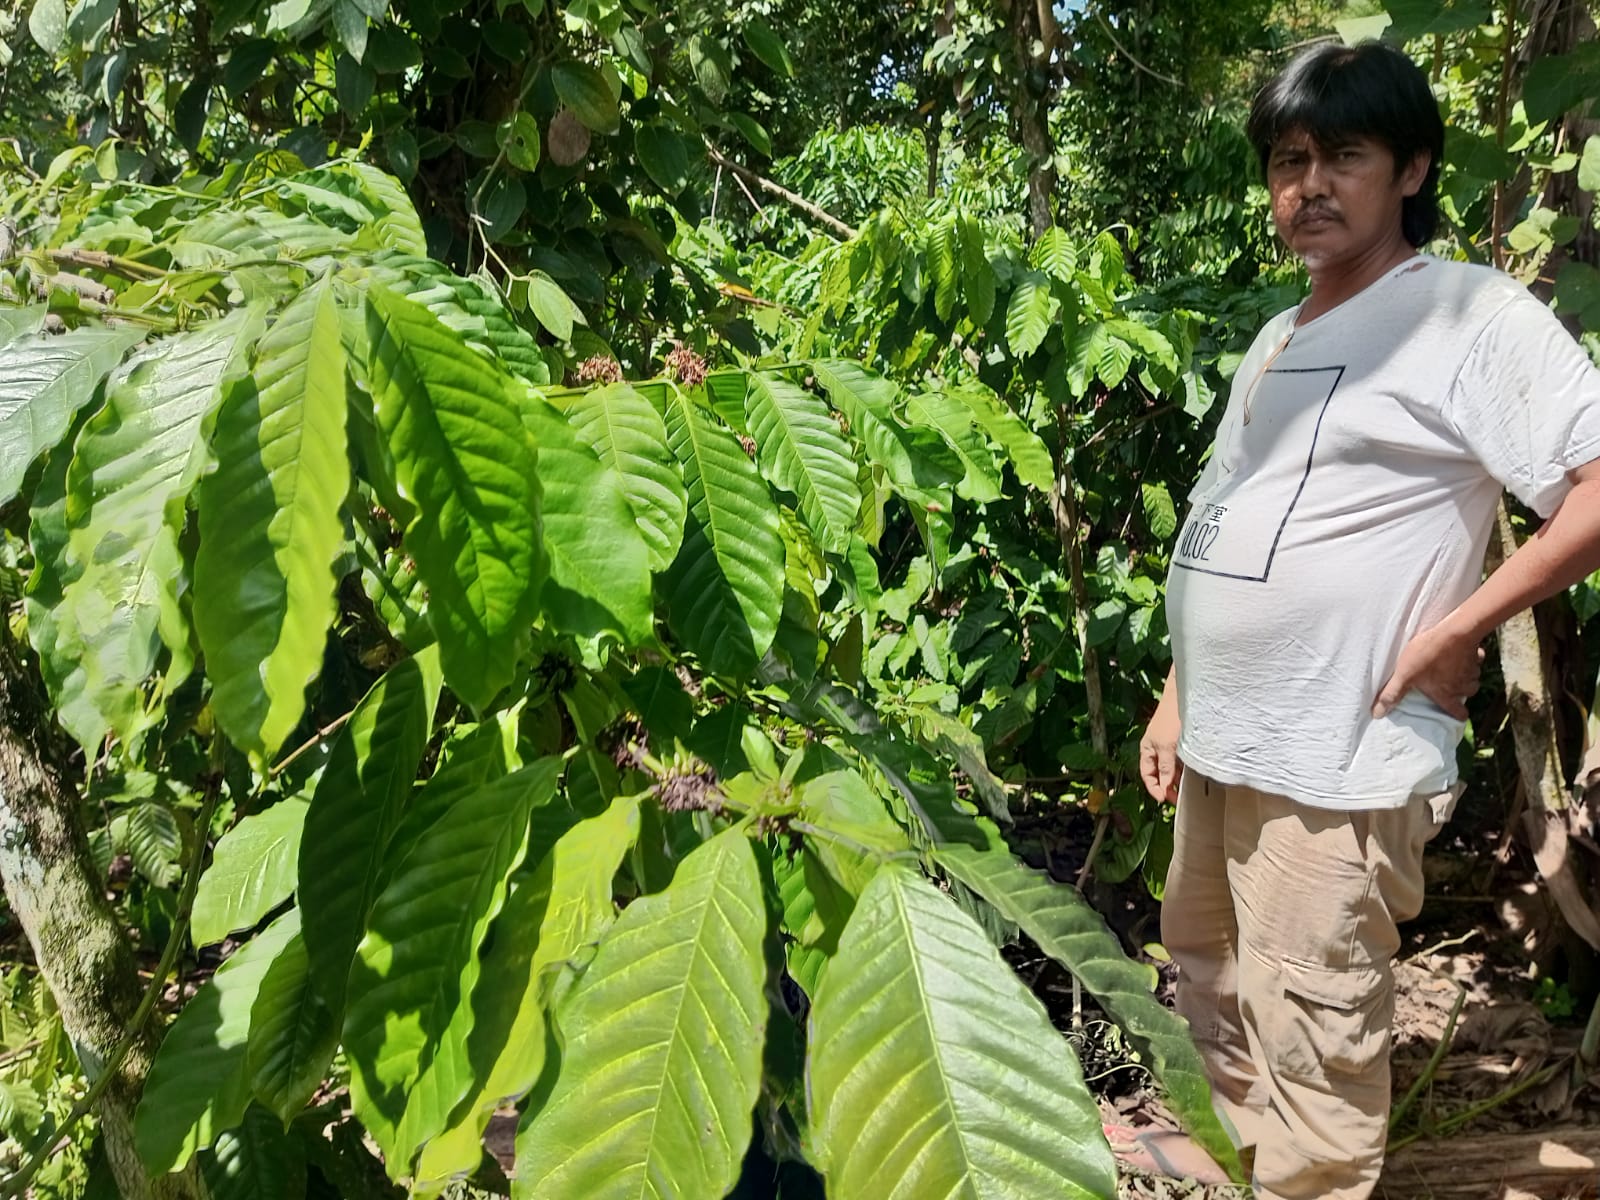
[1442,665]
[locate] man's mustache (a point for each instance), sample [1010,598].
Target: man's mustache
[1315,211]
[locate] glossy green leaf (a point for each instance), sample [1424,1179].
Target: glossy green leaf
[933,1071]
[270,526]
[977,275]
[724,591]
[47,22]
[599,564]
[664,155]
[418,962]
[583,89]
[552,306]
[655,1098]
[917,461]
[465,306]
[1030,457]
[354,811]
[627,433]
[1068,929]
[252,871]
[1159,512]
[137,460]
[956,424]
[44,381]
[943,250]
[519,141]
[293,1034]
[199,1083]
[549,918]
[1053,254]
[1028,314]
[764,41]
[461,453]
[801,449]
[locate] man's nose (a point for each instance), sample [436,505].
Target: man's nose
[1314,182]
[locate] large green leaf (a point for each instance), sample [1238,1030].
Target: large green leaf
[801,449]
[270,526]
[1029,456]
[461,453]
[1068,929]
[584,90]
[725,588]
[418,963]
[943,250]
[599,565]
[137,460]
[626,431]
[916,461]
[354,811]
[44,380]
[252,872]
[466,307]
[663,1056]
[956,422]
[199,1084]
[1028,314]
[293,1034]
[934,1072]
[977,274]
[549,917]
[255,1160]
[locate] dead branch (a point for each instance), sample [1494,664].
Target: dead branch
[794,200]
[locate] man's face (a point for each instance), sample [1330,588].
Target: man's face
[1333,203]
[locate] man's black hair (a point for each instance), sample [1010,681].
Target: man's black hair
[1335,93]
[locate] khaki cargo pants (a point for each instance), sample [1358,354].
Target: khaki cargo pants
[1281,918]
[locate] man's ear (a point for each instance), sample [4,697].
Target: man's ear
[1414,172]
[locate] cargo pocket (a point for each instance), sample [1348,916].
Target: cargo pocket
[1333,1022]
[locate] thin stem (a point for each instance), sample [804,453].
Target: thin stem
[17,1184]
[1434,1060]
[320,735]
[1101,824]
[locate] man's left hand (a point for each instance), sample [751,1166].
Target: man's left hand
[1442,666]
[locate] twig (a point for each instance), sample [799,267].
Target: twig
[17,1184]
[1434,1060]
[100,260]
[1102,823]
[327,730]
[85,289]
[795,200]
[1128,54]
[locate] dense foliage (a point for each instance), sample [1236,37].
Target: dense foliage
[552,615]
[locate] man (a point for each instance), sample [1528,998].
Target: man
[1326,610]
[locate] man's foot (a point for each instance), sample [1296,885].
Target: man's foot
[1163,1152]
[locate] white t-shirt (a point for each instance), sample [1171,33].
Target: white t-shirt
[1349,510]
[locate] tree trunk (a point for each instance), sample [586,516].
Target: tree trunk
[1033,38]
[1545,821]
[56,895]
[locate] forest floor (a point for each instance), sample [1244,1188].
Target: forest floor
[1500,1118]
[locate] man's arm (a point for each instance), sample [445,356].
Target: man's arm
[1159,765]
[1442,662]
